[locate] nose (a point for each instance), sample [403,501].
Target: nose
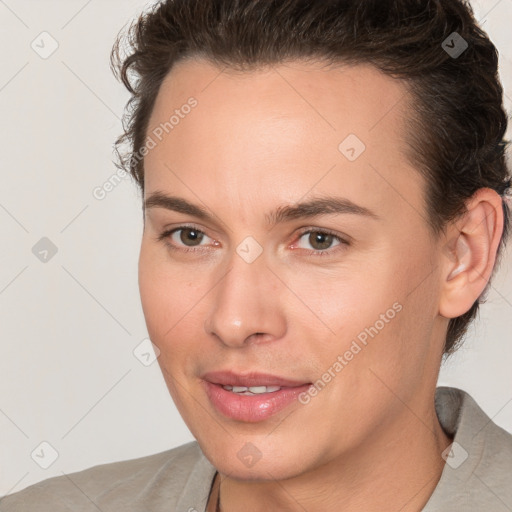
[245,305]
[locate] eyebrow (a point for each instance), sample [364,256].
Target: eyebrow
[312,208]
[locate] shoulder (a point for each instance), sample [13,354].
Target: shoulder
[478,470]
[494,444]
[460,413]
[124,483]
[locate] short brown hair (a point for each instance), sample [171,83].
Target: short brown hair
[458,123]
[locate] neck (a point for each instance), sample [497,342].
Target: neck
[400,468]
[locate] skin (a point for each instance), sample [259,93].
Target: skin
[370,440]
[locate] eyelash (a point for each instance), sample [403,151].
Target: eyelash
[327,252]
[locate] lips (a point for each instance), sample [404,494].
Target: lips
[247,406]
[229,378]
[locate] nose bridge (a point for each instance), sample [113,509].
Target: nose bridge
[242,303]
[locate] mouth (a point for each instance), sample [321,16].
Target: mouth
[252,390]
[251,397]
[250,379]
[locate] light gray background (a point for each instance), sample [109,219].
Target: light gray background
[68,327]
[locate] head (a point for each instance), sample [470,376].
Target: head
[253,117]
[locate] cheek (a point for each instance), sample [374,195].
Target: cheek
[171,302]
[166,291]
[368,320]
[152,288]
[342,305]
[158,299]
[397,334]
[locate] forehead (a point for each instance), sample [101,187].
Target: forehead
[282,131]
[334,98]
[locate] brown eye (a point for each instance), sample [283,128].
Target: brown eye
[190,236]
[320,241]
[186,239]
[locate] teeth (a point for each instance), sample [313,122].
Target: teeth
[252,390]
[264,389]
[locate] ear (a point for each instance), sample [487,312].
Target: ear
[469,255]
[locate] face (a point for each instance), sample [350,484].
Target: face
[290,255]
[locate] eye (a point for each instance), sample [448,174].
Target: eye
[321,241]
[190,238]
[184,238]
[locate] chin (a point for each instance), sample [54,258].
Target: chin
[254,460]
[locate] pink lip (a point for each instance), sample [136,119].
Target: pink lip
[249,379]
[251,408]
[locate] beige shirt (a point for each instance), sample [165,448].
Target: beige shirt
[477,475]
